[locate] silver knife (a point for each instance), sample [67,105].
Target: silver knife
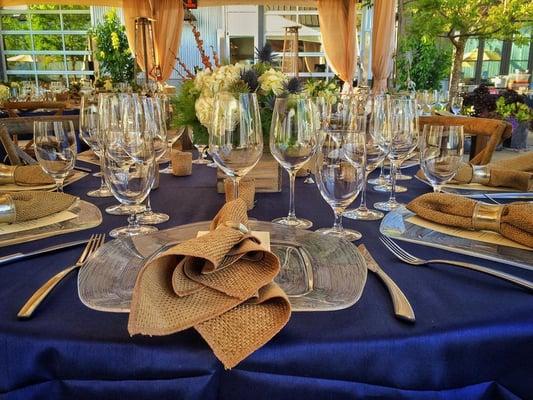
[503,195]
[402,308]
[18,256]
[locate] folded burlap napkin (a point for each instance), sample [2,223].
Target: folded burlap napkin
[220,284]
[25,206]
[246,191]
[514,220]
[24,175]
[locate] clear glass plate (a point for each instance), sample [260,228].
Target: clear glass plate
[318,273]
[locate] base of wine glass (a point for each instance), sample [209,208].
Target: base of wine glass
[152,218]
[167,170]
[388,205]
[97,174]
[363,214]
[380,181]
[388,188]
[100,192]
[200,161]
[212,164]
[126,231]
[294,222]
[346,234]
[401,177]
[123,209]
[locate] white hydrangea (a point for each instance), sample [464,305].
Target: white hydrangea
[204,109]
[202,81]
[272,80]
[5,93]
[224,77]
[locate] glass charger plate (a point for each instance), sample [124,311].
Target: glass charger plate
[318,273]
[395,226]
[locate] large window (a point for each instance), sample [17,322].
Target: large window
[44,42]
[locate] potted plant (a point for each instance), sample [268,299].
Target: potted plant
[511,107]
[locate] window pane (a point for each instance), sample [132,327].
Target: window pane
[75,63]
[492,57]
[76,22]
[48,42]
[75,7]
[470,59]
[17,42]
[15,23]
[241,49]
[19,62]
[50,63]
[75,42]
[309,21]
[45,22]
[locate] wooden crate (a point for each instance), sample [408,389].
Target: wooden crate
[267,175]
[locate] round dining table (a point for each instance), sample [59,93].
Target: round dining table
[472,339]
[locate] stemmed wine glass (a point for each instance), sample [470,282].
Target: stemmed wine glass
[293,141]
[197,142]
[374,154]
[55,148]
[456,104]
[129,160]
[173,135]
[236,137]
[91,134]
[339,178]
[399,139]
[441,151]
[156,124]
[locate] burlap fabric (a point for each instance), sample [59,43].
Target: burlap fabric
[516,221]
[35,204]
[181,163]
[246,191]
[29,175]
[220,284]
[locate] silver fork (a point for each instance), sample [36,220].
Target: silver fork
[40,294]
[413,260]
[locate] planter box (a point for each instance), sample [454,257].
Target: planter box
[267,175]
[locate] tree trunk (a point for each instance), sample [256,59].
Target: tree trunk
[457,66]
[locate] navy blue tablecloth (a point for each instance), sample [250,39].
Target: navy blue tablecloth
[473,338]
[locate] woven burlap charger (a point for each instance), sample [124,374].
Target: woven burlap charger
[220,283]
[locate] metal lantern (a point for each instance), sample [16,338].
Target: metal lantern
[289,61]
[145,47]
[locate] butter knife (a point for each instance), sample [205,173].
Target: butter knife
[19,256]
[402,308]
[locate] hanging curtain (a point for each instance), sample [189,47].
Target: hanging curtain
[169,21]
[383,42]
[337,25]
[134,9]
[111,3]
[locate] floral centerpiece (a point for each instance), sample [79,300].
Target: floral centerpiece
[5,93]
[511,107]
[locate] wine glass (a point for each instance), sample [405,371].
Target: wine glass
[401,138]
[92,136]
[374,155]
[197,140]
[55,148]
[172,134]
[236,137]
[441,151]
[456,104]
[432,99]
[129,160]
[339,179]
[293,141]
[158,132]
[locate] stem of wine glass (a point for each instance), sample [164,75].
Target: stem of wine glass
[437,188]
[235,180]
[292,209]
[59,184]
[382,170]
[362,205]
[102,180]
[337,224]
[393,181]
[133,222]
[148,205]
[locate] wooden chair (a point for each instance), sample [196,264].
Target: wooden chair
[17,127]
[487,133]
[13,107]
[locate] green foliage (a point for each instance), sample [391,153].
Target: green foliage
[519,111]
[184,112]
[430,63]
[113,52]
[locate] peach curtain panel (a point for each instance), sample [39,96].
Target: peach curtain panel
[337,25]
[111,3]
[383,42]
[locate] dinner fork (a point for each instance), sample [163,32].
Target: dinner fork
[40,294]
[413,260]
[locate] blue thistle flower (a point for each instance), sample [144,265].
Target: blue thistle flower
[293,86]
[264,55]
[250,78]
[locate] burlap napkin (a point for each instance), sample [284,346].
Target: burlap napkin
[220,284]
[24,175]
[25,206]
[246,191]
[515,219]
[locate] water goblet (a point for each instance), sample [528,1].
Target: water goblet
[198,141]
[456,104]
[441,151]
[294,140]
[236,136]
[55,148]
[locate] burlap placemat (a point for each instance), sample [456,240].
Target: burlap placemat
[36,204]
[25,175]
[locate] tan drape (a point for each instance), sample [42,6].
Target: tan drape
[111,3]
[383,42]
[337,25]
[119,3]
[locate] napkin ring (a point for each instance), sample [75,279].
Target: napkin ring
[487,217]
[480,174]
[7,209]
[237,226]
[7,174]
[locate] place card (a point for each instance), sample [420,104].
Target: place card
[480,236]
[36,223]
[263,236]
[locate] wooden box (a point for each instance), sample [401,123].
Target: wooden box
[267,175]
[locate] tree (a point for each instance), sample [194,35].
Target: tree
[459,20]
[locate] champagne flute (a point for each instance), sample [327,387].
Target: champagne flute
[91,134]
[236,137]
[158,133]
[441,151]
[129,161]
[293,141]
[339,179]
[401,137]
[55,148]
[456,104]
